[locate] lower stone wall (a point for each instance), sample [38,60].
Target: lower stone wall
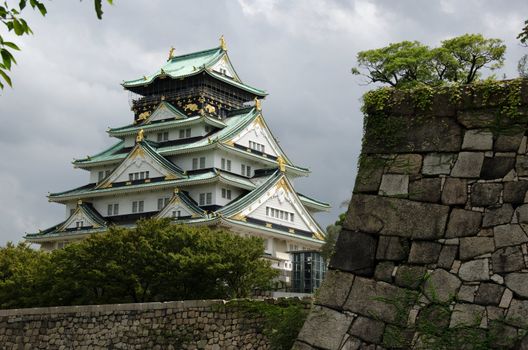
[203,324]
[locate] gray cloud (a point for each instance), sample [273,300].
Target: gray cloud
[67,88]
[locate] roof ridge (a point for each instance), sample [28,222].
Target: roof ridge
[196,53]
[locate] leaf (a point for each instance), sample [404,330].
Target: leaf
[6,58]
[11,45]
[22,4]
[98,8]
[6,78]
[17,26]
[42,9]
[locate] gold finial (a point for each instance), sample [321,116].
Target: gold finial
[258,106]
[176,190]
[79,202]
[223,43]
[144,77]
[140,137]
[171,54]
[281,163]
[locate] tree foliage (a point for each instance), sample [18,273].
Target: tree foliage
[523,35]
[155,261]
[409,63]
[11,18]
[332,234]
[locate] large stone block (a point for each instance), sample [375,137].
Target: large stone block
[518,313]
[521,214]
[369,175]
[489,294]
[447,256]
[521,165]
[485,194]
[498,216]
[416,134]
[355,252]
[315,335]
[373,299]
[475,270]
[441,286]
[394,185]
[423,252]
[368,329]
[496,167]
[478,140]
[471,247]
[392,248]
[467,315]
[468,165]
[514,192]
[508,142]
[508,259]
[335,289]
[425,190]
[508,235]
[397,217]
[405,164]
[383,271]
[473,119]
[463,223]
[518,283]
[410,276]
[455,191]
[438,163]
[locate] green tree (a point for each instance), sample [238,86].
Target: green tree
[20,274]
[153,262]
[523,35]
[407,64]
[332,234]
[11,18]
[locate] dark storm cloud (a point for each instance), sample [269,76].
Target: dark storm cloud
[67,88]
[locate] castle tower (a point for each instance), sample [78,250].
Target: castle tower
[200,152]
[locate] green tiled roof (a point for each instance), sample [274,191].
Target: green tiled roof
[191,64]
[314,203]
[209,176]
[160,159]
[133,129]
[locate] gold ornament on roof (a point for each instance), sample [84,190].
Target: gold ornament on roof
[258,106]
[281,163]
[140,137]
[171,53]
[79,202]
[176,190]
[223,43]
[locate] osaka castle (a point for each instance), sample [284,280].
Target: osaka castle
[198,151]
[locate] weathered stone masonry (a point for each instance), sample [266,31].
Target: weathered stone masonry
[205,324]
[438,218]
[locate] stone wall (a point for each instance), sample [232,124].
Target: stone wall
[205,324]
[434,251]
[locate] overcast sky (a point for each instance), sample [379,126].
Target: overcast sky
[66,84]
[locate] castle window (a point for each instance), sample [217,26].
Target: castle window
[138,206]
[226,193]
[113,209]
[202,162]
[256,146]
[226,164]
[279,214]
[162,202]
[163,136]
[206,198]
[176,213]
[185,133]
[195,163]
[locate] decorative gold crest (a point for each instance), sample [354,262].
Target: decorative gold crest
[223,43]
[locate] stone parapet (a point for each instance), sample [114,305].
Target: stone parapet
[434,249]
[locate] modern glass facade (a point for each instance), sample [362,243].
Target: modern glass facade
[309,270]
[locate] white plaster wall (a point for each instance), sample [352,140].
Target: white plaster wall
[260,213]
[184,161]
[194,193]
[259,135]
[235,192]
[94,173]
[125,201]
[138,165]
[236,162]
